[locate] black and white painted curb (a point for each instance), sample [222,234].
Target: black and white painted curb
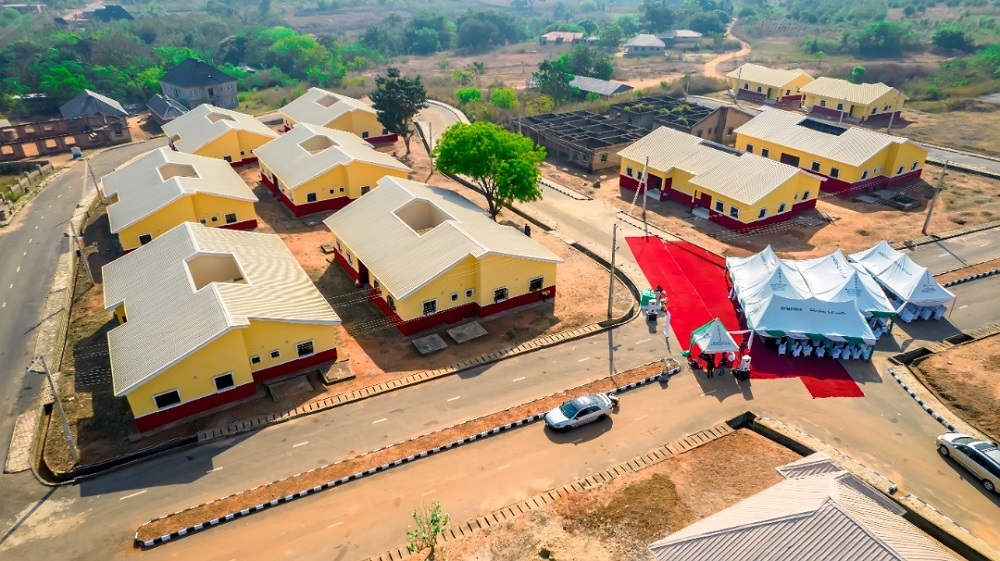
[337,482]
[920,402]
[565,190]
[977,276]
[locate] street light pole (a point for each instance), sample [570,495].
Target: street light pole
[82,250]
[62,413]
[937,193]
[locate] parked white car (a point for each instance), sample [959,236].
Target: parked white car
[580,411]
[980,458]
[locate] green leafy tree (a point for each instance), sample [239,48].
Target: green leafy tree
[503,165]
[476,35]
[540,104]
[885,38]
[462,77]
[504,98]
[858,74]
[952,37]
[656,15]
[629,24]
[468,95]
[552,81]
[397,100]
[611,35]
[589,26]
[430,523]
[63,81]
[584,60]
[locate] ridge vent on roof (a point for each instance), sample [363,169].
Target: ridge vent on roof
[820,126]
[216,117]
[721,147]
[171,170]
[327,100]
[316,144]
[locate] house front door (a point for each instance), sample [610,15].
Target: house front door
[362,273]
[705,201]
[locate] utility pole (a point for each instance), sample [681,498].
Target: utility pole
[937,193]
[82,250]
[888,129]
[55,395]
[687,85]
[93,178]
[611,283]
[645,194]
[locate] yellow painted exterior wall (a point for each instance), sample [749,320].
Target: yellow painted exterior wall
[340,181]
[238,145]
[889,102]
[497,271]
[193,376]
[884,162]
[791,88]
[193,208]
[358,122]
[798,189]
[262,337]
[458,279]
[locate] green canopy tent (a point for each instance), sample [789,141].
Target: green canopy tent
[712,338]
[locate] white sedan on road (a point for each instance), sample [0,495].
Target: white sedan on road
[980,458]
[580,411]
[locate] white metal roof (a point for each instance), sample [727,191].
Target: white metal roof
[205,123]
[142,189]
[645,40]
[321,107]
[853,146]
[824,517]
[758,74]
[743,177]
[296,161]
[862,94]
[404,260]
[168,318]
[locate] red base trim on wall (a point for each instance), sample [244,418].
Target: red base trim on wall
[451,315]
[308,208]
[291,366]
[194,407]
[905,178]
[385,139]
[244,225]
[751,96]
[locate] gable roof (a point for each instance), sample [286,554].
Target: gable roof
[828,516]
[205,123]
[645,40]
[404,260]
[743,177]
[848,145]
[681,34]
[563,36]
[194,73]
[92,103]
[321,107]
[861,94]
[768,76]
[598,86]
[295,165]
[142,190]
[168,319]
[166,107]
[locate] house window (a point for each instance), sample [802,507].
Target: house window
[167,399]
[604,157]
[900,170]
[211,92]
[224,382]
[202,220]
[698,133]
[499,295]
[215,218]
[350,260]
[255,359]
[305,349]
[145,239]
[840,107]
[750,148]
[229,87]
[391,303]
[781,208]
[231,218]
[805,196]
[765,152]
[746,86]
[228,159]
[628,172]
[365,189]
[310,197]
[469,292]
[734,212]
[815,166]
[720,206]
[276,353]
[759,89]
[376,285]
[762,213]
[430,307]
[341,189]
[535,284]
[364,134]
[822,103]
[864,174]
[834,172]
[338,246]
[385,132]
[788,92]
[914,166]
[454,297]
[729,131]
[193,93]
[638,175]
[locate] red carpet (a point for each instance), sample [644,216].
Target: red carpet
[695,284]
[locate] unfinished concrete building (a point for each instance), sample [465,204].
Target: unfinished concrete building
[29,140]
[708,120]
[582,138]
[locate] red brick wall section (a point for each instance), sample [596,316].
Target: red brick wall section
[626,182]
[244,225]
[386,139]
[732,224]
[905,178]
[296,365]
[194,407]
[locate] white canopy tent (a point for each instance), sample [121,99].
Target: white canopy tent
[712,338]
[810,318]
[909,282]
[833,278]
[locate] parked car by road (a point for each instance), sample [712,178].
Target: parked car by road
[980,458]
[580,411]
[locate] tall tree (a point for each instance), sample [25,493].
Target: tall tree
[552,80]
[502,164]
[656,15]
[397,100]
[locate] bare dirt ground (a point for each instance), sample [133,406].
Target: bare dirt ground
[965,379]
[618,520]
[973,129]
[965,200]
[332,472]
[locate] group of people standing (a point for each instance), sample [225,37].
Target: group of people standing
[724,361]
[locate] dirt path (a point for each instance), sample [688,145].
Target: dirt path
[711,67]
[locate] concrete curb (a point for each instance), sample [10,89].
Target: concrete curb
[934,415]
[916,242]
[977,276]
[565,190]
[331,484]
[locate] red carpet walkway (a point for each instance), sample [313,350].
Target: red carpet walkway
[696,288]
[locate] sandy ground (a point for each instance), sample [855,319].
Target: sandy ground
[618,520]
[711,68]
[965,379]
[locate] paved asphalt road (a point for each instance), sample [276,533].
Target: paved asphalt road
[967,160]
[955,253]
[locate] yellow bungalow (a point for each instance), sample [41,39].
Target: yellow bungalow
[334,111]
[214,132]
[204,315]
[431,256]
[840,99]
[312,169]
[851,159]
[735,189]
[164,188]
[760,84]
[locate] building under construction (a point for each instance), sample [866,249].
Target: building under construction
[713,121]
[582,138]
